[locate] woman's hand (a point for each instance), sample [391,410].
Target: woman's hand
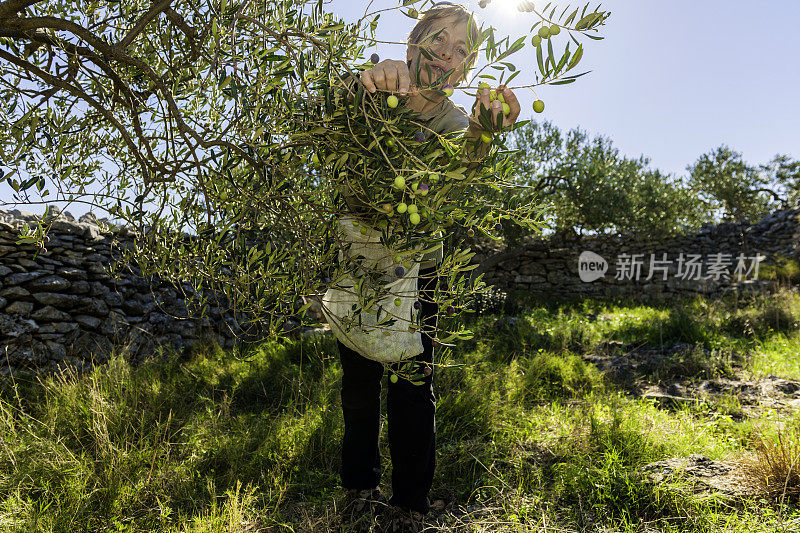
[495,108]
[388,75]
[474,135]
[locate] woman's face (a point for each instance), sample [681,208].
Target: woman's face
[448,49]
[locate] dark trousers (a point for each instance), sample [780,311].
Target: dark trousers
[410,411]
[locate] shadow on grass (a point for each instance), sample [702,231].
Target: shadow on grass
[169,434]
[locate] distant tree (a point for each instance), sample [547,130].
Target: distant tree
[589,187]
[784,175]
[730,187]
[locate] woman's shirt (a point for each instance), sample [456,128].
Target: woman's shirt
[444,118]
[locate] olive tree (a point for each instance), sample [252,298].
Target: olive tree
[586,185]
[733,190]
[224,132]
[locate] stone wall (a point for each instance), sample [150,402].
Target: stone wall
[551,267]
[59,305]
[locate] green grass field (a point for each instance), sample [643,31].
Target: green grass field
[531,437]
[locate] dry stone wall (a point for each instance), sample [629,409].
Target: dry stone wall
[703,262]
[60,305]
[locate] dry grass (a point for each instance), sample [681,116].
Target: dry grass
[774,465]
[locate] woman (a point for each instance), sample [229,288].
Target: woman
[444,30]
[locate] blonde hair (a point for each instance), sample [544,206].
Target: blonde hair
[422,28]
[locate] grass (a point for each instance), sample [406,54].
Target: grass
[530,436]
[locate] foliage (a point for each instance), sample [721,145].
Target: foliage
[197,123]
[741,191]
[784,174]
[588,186]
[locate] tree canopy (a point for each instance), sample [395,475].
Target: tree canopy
[586,185]
[735,190]
[224,133]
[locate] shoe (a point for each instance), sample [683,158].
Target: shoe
[405,521]
[439,505]
[358,502]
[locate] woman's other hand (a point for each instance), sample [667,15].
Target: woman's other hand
[388,75]
[495,107]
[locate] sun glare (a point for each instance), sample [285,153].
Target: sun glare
[504,15]
[502,5]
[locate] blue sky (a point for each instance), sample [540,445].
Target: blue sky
[671,80]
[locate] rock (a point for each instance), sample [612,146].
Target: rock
[79,287]
[49,284]
[88,219]
[94,306]
[132,307]
[15,326]
[325,330]
[114,325]
[50,313]
[98,289]
[19,308]
[5,271]
[114,299]
[15,293]
[57,350]
[3,302]
[58,327]
[73,273]
[610,347]
[57,300]
[88,321]
[786,386]
[675,390]
[706,475]
[96,268]
[92,232]
[27,263]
